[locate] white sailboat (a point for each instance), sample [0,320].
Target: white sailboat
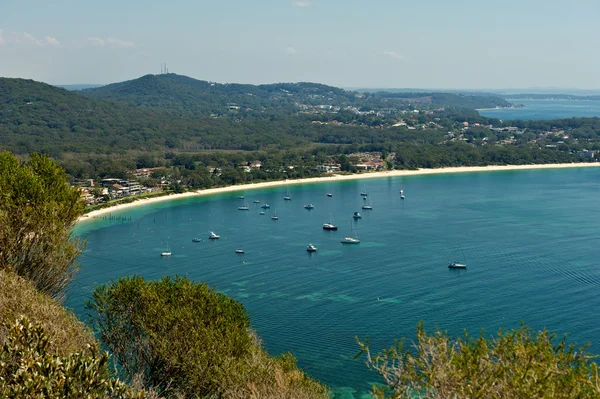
[244,207]
[352,239]
[368,205]
[167,252]
[288,195]
[458,264]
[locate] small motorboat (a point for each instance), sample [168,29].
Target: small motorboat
[457,265]
[257,201]
[196,239]
[265,206]
[311,248]
[329,226]
[214,236]
[241,197]
[329,195]
[309,206]
[239,251]
[261,213]
[357,215]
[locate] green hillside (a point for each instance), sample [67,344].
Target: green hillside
[184,94]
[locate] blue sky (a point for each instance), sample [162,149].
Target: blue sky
[347,43]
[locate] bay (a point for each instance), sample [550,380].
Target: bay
[545,110]
[531,241]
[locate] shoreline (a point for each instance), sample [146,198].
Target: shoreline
[334,178]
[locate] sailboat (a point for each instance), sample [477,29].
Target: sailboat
[457,264]
[288,195]
[368,205]
[330,225]
[401,193]
[244,207]
[352,239]
[275,217]
[364,192]
[167,252]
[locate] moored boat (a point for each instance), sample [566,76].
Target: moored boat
[311,248]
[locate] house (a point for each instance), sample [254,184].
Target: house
[329,168]
[256,164]
[587,154]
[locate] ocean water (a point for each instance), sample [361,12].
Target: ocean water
[531,240]
[545,109]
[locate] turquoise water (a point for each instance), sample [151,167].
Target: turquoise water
[546,109]
[531,240]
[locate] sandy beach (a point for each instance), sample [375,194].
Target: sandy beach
[365,175]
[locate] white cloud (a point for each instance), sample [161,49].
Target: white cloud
[291,51]
[51,41]
[96,41]
[394,55]
[2,41]
[27,39]
[119,43]
[302,3]
[109,42]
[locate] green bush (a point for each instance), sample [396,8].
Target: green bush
[29,368]
[37,212]
[183,339]
[513,365]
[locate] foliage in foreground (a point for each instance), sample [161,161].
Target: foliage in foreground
[37,212]
[515,364]
[29,368]
[183,339]
[18,297]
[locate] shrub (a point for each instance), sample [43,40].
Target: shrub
[29,368]
[514,364]
[37,212]
[183,339]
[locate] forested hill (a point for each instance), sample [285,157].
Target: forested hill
[38,117]
[462,100]
[184,94]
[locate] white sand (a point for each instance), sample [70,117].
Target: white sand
[364,175]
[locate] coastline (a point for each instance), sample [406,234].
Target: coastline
[334,178]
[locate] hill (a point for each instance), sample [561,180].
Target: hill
[38,117]
[199,97]
[184,94]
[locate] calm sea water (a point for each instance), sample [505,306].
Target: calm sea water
[531,240]
[546,109]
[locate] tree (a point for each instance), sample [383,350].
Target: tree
[515,364]
[38,209]
[184,339]
[173,333]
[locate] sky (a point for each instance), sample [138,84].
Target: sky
[459,44]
